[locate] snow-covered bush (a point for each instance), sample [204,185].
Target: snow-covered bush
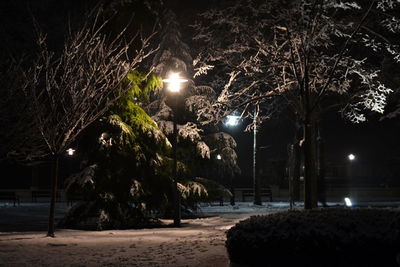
[327,237]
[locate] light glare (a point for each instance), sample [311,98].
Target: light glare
[70,151]
[351,157]
[348,202]
[219,157]
[174,82]
[232,120]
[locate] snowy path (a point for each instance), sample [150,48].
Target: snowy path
[199,242]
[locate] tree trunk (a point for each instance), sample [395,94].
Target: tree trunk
[310,175]
[296,171]
[321,183]
[290,171]
[55,160]
[296,163]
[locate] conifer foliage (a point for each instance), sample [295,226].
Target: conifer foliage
[124,176]
[192,108]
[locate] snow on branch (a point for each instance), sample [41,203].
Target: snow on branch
[304,53]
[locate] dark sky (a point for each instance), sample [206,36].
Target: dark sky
[375,143]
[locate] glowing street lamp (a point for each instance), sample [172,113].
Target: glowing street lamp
[219,157]
[232,120]
[70,151]
[174,85]
[174,82]
[348,202]
[351,157]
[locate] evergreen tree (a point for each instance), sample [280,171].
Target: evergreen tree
[125,165]
[196,150]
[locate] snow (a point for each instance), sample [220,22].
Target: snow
[199,242]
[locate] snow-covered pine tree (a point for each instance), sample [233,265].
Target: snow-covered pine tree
[124,162]
[192,108]
[316,55]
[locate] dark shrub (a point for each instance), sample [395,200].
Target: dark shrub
[104,215]
[327,237]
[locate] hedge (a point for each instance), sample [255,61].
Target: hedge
[324,237]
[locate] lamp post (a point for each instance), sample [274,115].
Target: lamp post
[257,193]
[174,86]
[233,120]
[219,178]
[351,157]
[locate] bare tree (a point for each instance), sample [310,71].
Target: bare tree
[316,55]
[20,140]
[71,90]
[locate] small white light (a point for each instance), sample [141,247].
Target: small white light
[232,120]
[174,82]
[219,157]
[351,157]
[70,151]
[348,202]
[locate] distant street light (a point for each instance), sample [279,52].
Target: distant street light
[219,157]
[347,201]
[351,157]
[174,85]
[232,120]
[70,151]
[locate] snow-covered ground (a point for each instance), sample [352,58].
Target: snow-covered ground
[199,242]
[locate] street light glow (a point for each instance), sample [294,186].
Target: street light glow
[232,120]
[351,157]
[174,82]
[219,157]
[347,201]
[70,151]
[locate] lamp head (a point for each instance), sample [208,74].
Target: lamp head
[70,151]
[174,82]
[232,120]
[348,202]
[351,157]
